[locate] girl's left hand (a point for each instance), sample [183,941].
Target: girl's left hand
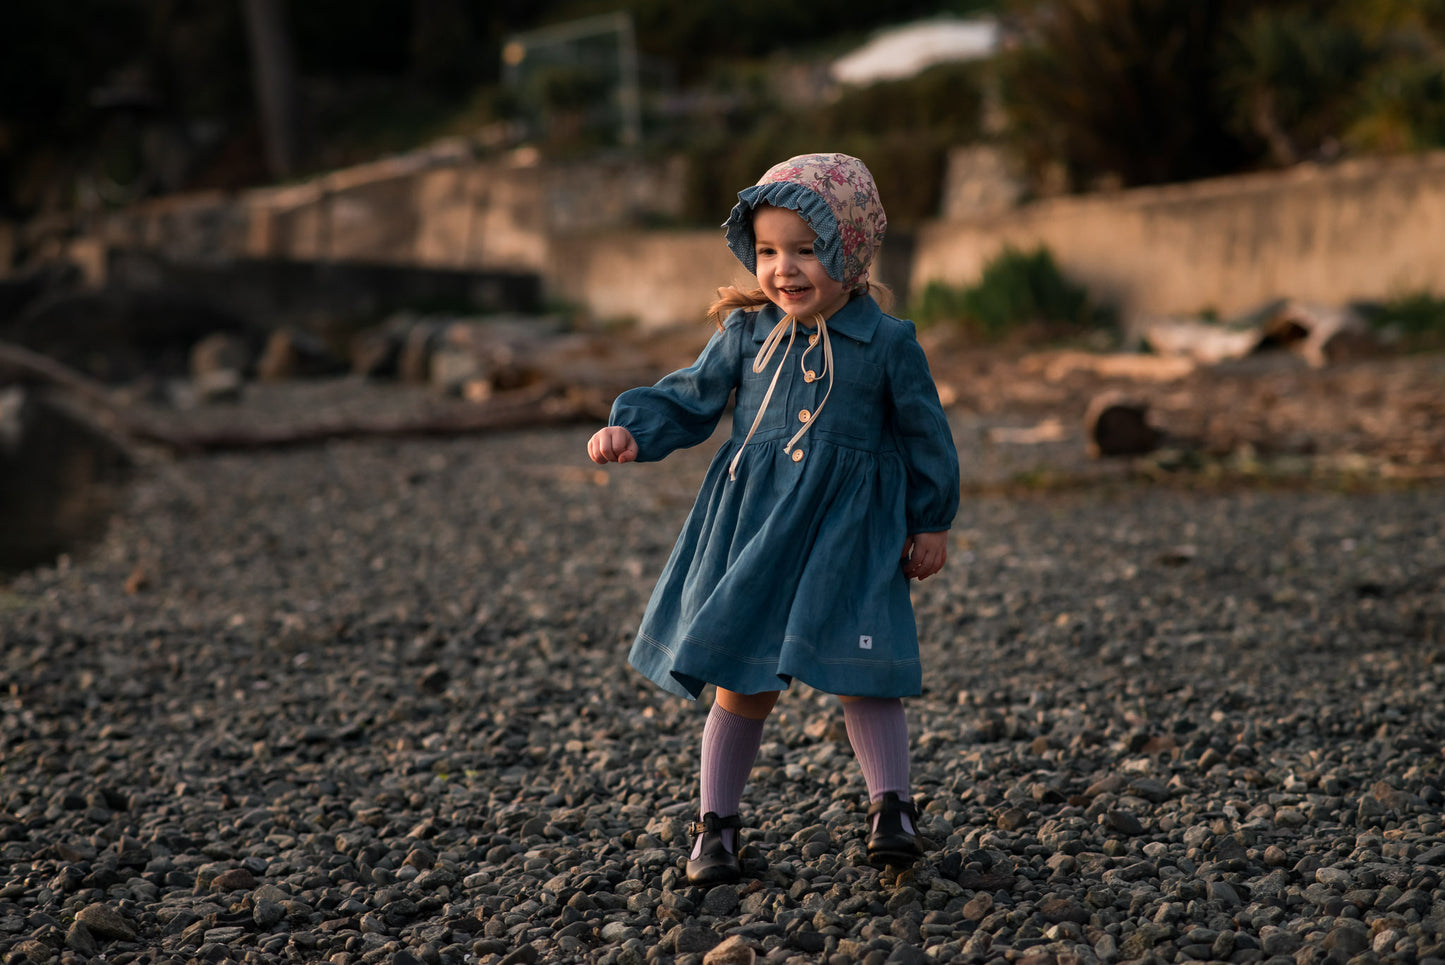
[924,554]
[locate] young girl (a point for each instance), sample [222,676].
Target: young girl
[837,486]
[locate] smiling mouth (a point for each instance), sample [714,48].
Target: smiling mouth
[794,291]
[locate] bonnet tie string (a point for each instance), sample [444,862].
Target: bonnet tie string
[788,325]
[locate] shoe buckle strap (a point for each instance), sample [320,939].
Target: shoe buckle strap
[711,822]
[893,806]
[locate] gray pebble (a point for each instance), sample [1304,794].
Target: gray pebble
[414,735]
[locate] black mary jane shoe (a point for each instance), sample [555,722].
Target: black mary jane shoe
[889,843]
[714,864]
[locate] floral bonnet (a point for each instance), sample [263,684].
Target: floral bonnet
[835,195]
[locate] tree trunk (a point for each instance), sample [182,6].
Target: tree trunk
[273,72]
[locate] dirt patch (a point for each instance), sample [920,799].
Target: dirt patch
[1382,417]
[1019,414]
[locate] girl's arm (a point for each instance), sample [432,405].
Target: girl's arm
[924,439]
[683,408]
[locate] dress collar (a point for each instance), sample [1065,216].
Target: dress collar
[858,319]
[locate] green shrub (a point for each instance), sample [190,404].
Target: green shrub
[937,304]
[1104,91]
[1017,291]
[1134,92]
[1288,77]
[1416,320]
[1401,107]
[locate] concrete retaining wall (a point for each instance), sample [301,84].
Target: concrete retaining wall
[1370,229]
[662,279]
[657,279]
[428,211]
[268,292]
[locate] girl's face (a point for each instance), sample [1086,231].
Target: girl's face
[788,270]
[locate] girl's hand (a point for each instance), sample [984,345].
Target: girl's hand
[924,554]
[612,444]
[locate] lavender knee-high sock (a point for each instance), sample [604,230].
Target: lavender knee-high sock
[729,747]
[878,730]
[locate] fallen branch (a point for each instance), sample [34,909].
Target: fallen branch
[536,405]
[100,409]
[34,367]
[520,409]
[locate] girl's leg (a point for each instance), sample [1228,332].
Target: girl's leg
[878,730]
[730,741]
[752,706]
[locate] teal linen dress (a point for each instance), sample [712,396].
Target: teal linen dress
[790,568]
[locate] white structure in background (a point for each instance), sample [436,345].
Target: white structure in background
[980,181]
[904,51]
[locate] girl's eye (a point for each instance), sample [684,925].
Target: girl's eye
[805,251]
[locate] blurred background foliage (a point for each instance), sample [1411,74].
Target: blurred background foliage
[128,98]
[1410,322]
[902,129]
[1132,92]
[1019,293]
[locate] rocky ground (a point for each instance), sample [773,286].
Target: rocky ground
[368,702]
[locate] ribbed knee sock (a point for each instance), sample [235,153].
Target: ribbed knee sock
[729,747]
[878,730]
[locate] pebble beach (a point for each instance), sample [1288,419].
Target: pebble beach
[369,702]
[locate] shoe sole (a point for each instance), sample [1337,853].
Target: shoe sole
[725,878]
[893,859]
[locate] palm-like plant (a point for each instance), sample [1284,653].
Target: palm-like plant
[1289,75]
[1399,103]
[1423,20]
[1118,88]
[1400,107]
[1147,91]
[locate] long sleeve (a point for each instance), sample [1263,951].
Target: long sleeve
[925,439]
[683,408]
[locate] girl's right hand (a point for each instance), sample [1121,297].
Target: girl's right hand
[612,444]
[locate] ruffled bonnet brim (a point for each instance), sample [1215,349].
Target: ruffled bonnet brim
[811,207]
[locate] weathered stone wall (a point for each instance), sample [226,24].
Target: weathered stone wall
[269,292]
[1368,229]
[656,279]
[662,279]
[438,212]
[203,227]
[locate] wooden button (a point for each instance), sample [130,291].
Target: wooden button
[813,339]
[810,376]
[797,455]
[804,415]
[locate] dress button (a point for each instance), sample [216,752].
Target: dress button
[804,415]
[810,376]
[813,339]
[797,455]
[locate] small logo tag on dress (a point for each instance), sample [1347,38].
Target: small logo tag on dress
[865,643]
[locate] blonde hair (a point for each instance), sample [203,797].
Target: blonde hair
[731,298]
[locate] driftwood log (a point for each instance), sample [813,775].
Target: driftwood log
[544,403]
[1118,425]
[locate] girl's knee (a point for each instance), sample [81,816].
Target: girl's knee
[752,706]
